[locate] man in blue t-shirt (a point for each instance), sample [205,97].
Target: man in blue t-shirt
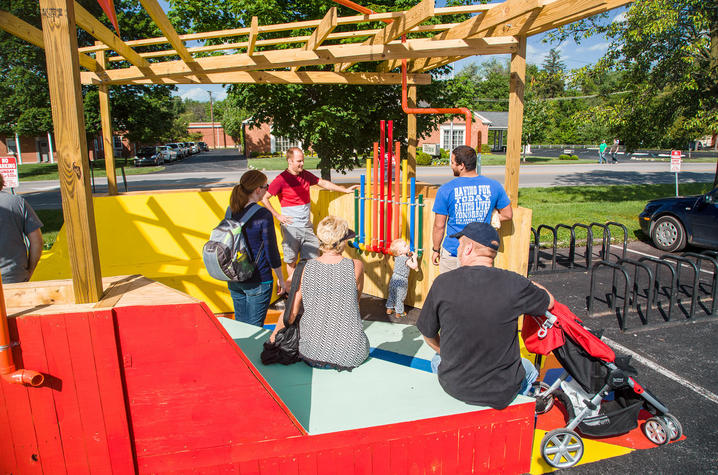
[465,199]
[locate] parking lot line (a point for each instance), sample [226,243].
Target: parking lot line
[661,370]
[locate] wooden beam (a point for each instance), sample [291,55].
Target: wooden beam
[517,85]
[411,18]
[321,33]
[25,31]
[580,9]
[253,29]
[92,25]
[416,48]
[158,15]
[63,77]
[475,27]
[106,123]
[275,77]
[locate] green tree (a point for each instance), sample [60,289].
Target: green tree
[550,80]
[338,122]
[232,122]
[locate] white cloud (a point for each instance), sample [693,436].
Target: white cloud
[620,17]
[200,94]
[603,46]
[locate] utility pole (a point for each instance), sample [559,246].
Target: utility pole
[211,118]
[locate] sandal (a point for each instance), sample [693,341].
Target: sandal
[401,315]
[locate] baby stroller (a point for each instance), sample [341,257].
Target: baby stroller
[595,372]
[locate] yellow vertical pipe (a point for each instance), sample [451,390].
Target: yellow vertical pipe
[367,203]
[404,192]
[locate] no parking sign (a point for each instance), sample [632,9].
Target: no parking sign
[8,169]
[675,161]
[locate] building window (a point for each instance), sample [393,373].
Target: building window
[117,142]
[11,146]
[451,136]
[282,144]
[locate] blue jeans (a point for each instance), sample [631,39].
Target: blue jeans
[531,373]
[251,301]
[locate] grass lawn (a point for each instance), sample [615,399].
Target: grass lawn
[564,204]
[48,171]
[279,163]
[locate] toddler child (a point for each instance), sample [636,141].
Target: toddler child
[404,260]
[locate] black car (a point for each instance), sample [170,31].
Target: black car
[674,222]
[151,156]
[203,147]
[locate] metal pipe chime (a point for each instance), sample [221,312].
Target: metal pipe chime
[384,211]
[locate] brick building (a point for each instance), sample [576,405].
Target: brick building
[212,134]
[451,133]
[36,149]
[260,140]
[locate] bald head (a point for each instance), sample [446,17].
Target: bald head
[472,253]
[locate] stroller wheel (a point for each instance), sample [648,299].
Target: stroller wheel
[544,403]
[562,448]
[674,426]
[657,431]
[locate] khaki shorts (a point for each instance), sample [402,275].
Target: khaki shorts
[447,262]
[299,242]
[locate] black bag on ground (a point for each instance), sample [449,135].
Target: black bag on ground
[226,255]
[285,349]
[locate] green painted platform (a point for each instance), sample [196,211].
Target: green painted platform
[376,393]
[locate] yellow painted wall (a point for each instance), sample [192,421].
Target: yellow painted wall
[160,235]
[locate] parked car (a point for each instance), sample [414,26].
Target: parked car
[171,153]
[151,156]
[187,147]
[674,222]
[178,148]
[194,147]
[203,147]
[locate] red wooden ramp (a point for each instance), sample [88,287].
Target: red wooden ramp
[149,381]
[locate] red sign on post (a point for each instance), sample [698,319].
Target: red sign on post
[675,161]
[8,169]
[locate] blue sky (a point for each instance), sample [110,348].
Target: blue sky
[573,56]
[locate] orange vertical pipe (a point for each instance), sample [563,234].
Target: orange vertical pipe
[8,372]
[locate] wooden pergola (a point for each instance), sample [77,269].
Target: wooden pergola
[497,28]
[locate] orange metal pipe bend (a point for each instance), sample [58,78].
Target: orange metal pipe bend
[432,110]
[8,372]
[357,7]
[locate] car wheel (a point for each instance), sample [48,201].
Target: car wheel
[668,234]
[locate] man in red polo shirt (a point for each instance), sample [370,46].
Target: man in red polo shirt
[292,188]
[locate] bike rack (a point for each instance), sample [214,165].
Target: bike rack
[611,303]
[679,260]
[537,244]
[625,237]
[572,245]
[657,289]
[606,240]
[589,242]
[714,284]
[649,291]
[534,253]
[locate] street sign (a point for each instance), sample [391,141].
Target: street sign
[675,161]
[8,169]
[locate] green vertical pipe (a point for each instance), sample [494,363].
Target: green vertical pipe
[420,247]
[356,218]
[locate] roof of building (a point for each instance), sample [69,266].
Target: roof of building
[497,120]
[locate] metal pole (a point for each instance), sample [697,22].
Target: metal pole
[17,149]
[49,143]
[211,118]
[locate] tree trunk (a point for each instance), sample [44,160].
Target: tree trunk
[325,166]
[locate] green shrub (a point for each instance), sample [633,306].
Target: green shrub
[254,154]
[444,154]
[574,157]
[563,156]
[422,158]
[485,149]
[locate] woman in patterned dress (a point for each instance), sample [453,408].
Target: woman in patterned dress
[330,330]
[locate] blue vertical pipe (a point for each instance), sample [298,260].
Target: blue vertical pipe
[412,212]
[362,178]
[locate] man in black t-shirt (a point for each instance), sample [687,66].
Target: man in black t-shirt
[470,318]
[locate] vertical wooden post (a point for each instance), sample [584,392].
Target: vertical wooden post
[411,132]
[516,117]
[63,75]
[106,121]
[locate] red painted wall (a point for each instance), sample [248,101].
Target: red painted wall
[219,140]
[257,139]
[157,389]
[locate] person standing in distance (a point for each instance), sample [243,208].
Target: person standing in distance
[292,188]
[20,238]
[467,198]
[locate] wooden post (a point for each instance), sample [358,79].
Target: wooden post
[63,75]
[411,132]
[516,117]
[106,121]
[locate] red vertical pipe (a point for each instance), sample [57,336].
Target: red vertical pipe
[397,189]
[389,204]
[382,203]
[375,204]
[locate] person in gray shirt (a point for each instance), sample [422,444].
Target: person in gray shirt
[20,238]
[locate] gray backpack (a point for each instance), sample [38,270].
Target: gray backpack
[226,255]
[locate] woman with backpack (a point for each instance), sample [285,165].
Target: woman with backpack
[251,297]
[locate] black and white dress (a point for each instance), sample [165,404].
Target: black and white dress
[330,331]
